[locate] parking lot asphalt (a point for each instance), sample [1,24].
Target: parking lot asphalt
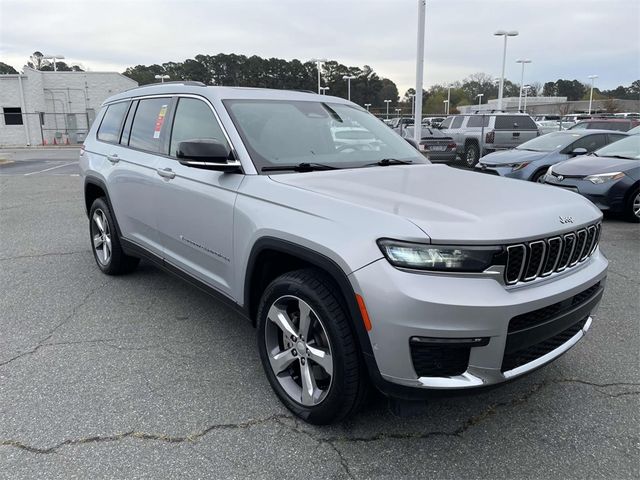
[143,376]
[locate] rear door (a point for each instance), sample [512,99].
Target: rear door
[512,130]
[132,177]
[195,206]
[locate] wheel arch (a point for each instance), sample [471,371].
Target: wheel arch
[95,188]
[270,257]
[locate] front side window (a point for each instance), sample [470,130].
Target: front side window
[285,132]
[109,130]
[590,142]
[446,122]
[149,124]
[194,120]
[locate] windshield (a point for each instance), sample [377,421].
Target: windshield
[549,142]
[628,147]
[283,132]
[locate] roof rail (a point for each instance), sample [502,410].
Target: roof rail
[192,83]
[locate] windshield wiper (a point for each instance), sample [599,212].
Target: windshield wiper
[385,162]
[300,167]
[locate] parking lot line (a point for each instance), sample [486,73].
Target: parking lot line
[51,168]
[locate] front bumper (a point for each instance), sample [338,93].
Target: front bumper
[608,196]
[403,305]
[504,171]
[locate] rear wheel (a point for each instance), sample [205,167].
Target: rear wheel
[105,241]
[471,154]
[633,206]
[307,348]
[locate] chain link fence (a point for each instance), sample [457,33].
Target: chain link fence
[58,128]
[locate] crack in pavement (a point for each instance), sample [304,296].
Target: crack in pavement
[42,343]
[294,424]
[38,255]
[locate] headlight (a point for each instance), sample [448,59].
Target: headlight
[605,177]
[440,258]
[518,166]
[550,170]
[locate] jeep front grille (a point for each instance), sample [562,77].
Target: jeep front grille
[541,258]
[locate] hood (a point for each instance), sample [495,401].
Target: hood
[452,205]
[591,165]
[504,157]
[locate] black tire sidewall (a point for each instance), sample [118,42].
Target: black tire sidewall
[119,262]
[335,405]
[629,207]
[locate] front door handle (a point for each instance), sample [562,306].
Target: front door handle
[113,158]
[166,173]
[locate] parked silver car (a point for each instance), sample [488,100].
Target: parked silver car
[478,134]
[355,264]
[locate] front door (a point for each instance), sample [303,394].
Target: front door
[195,206]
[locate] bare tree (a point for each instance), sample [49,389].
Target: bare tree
[564,108]
[610,105]
[36,60]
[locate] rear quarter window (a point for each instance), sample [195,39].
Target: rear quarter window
[109,130]
[519,122]
[478,121]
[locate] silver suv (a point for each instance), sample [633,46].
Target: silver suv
[357,262]
[478,134]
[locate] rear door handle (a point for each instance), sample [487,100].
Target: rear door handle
[166,173]
[113,158]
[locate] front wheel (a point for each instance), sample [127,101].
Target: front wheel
[471,154]
[538,177]
[633,207]
[307,348]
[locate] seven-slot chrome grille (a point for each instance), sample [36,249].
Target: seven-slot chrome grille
[540,258]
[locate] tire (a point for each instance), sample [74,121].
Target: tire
[539,176]
[290,358]
[471,154]
[105,242]
[632,209]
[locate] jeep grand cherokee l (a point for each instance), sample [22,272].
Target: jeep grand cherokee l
[357,262]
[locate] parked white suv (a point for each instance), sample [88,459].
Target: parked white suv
[358,262]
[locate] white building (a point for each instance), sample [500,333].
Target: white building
[46,108]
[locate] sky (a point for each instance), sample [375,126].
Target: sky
[563,38]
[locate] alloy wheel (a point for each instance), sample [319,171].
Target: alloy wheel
[636,205]
[299,351]
[101,235]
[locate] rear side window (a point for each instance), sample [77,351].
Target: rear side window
[614,136]
[194,120]
[478,121]
[149,124]
[457,122]
[109,130]
[514,122]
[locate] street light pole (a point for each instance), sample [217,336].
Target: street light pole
[479,97]
[413,103]
[387,102]
[448,97]
[593,81]
[446,107]
[161,78]
[348,78]
[526,92]
[318,62]
[54,58]
[522,61]
[323,90]
[367,105]
[505,34]
[417,115]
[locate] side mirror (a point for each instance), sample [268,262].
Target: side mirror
[208,154]
[579,151]
[411,142]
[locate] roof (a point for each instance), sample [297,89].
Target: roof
[224,93]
